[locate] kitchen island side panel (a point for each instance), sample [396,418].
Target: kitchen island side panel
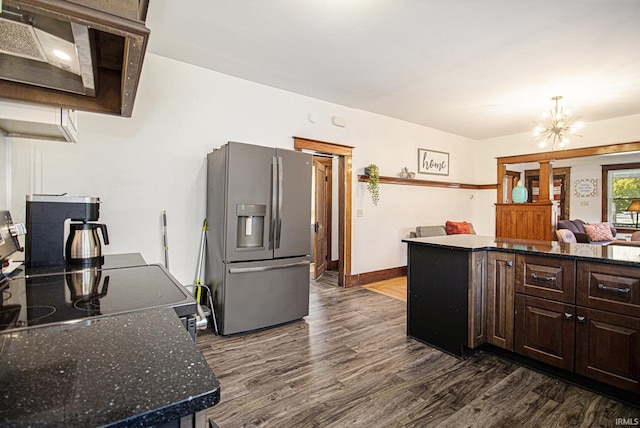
[437,305]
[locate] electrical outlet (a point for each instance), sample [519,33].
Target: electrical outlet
[584,203]
[359,212]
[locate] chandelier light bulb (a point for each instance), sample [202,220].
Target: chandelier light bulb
[537,131]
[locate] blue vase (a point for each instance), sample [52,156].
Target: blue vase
[519,194]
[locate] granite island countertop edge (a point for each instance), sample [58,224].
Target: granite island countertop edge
[609,254]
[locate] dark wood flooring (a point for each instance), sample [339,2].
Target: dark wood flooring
[350,364]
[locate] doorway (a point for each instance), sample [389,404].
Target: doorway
[322,212]
[343,154]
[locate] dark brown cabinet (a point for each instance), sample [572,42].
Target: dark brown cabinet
[582,317]
[477,298]
[608,348]
[578,316]
[501,271]
[545,330]
[608,324]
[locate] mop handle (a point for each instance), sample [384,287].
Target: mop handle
[164,239]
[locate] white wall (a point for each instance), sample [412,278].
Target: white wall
[155,161]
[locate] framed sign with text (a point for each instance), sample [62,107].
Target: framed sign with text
[586,187]
[433,162]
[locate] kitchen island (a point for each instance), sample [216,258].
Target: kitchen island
[571,308]
[131,370]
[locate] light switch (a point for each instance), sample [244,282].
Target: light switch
[359,212]
[584,203]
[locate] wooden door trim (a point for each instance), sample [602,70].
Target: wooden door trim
[345,175]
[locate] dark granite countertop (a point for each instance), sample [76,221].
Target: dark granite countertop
[613,253]
[136,369]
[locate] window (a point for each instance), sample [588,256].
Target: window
[622,187]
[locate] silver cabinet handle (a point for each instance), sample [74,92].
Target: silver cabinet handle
[617,290]
[510,263]
[544,278]
[568,316]
[266,268]
[581,320]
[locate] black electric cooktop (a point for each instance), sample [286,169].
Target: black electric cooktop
[37,297]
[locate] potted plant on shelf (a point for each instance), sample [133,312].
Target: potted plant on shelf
[373,173]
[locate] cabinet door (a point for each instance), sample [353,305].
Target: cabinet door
[500,293]
[545,331]
[477,298]
[608,348]
[547,277]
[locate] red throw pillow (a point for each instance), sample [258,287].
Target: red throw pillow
[599,231]
[457,228]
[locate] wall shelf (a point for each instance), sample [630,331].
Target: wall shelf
[429,183]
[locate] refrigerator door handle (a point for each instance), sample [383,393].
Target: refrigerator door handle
[280,190]
[274,198]
[266,268]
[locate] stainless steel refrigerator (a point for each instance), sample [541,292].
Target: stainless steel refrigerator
[258,240]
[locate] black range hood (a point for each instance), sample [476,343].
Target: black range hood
[82,54]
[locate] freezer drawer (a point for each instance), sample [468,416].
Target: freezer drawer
[263,294]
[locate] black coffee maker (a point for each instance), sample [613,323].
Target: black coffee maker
[46,216]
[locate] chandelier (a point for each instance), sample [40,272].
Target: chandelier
[558,123]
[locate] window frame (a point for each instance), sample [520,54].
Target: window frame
[605,191]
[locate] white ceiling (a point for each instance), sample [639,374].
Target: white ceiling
[476,68]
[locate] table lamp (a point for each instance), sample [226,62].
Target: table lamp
[634,207]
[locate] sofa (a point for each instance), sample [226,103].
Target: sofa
[441,230]
[581,235]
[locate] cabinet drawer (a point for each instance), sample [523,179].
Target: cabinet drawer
[611,288]
[547,277]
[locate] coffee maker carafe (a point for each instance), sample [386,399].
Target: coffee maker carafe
[83,244]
